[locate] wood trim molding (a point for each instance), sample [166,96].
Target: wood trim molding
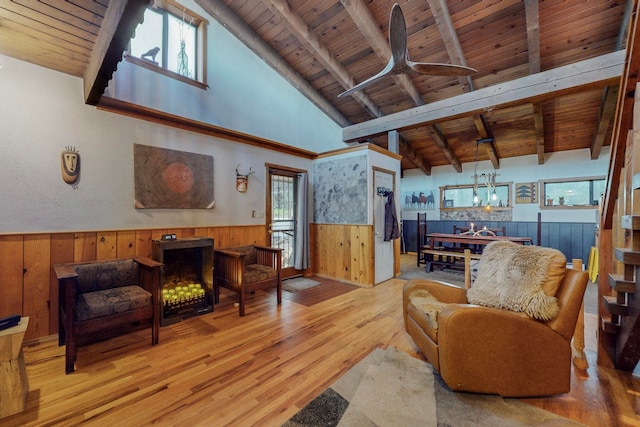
[168,73]
[119,24]
[365,146]
[159,117]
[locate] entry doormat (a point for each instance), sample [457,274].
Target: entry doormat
[298,284]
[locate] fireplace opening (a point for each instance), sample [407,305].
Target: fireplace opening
[187,277]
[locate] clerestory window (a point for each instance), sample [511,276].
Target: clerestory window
[171,40]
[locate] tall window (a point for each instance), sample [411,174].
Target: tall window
[171,38]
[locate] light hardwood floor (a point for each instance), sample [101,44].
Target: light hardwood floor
[220,369]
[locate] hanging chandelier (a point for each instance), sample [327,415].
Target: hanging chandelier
[487,180]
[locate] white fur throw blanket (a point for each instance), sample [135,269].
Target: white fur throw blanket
[511,276]
[428,304]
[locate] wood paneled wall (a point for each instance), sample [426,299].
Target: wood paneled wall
[344,252]
[28,286]
[574,240]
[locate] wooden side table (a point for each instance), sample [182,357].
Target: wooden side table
[14,384]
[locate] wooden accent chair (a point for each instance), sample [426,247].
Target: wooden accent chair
[483,349]
[100,299]
[245,269]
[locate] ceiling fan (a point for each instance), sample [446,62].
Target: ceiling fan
[400,63]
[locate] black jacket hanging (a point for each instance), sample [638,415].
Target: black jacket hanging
[391,228]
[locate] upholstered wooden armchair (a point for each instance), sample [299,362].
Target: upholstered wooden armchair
[245,269]
[99,299]
[500,347]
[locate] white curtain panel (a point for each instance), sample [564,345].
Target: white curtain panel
[301,261]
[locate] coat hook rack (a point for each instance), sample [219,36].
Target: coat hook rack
[382,191]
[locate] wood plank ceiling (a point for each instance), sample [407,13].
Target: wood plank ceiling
[327,46]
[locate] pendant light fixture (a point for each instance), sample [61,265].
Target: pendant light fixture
[485,179]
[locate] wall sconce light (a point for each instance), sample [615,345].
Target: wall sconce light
[242,180]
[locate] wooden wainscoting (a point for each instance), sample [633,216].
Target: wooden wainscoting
[27,283]
[343,252]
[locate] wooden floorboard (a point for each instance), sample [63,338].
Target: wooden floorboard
[220,369]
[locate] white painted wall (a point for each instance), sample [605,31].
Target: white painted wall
[565,164]
[374,159]
[244,94]
[42,111]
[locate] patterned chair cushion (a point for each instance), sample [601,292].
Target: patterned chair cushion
[99,276]
[96,304]
[256,272]
[249,252]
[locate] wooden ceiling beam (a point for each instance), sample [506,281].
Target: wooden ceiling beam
[296,25]
[440,12]
[360,14]
[490,147]
[533,44]
[538,123]
[118,26]
[411,154]
[598,72]
[605,116]
[447,31]
[227,18]
[533,34]
[610,93]
[437,135]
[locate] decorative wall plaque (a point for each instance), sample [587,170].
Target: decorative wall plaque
[172,179]
[70,165]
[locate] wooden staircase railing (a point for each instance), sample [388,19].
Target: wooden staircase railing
[619,229]
[623,305]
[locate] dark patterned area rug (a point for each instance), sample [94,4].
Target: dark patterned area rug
[391,388]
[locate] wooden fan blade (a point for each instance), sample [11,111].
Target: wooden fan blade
[400,62]
[371,80]
[398,35]
[398,45]
[435,69]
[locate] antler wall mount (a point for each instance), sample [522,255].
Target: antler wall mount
[242,180]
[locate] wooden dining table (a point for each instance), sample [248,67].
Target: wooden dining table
[447,256]
[473,239]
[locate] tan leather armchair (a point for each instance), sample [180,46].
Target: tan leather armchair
[496,351]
